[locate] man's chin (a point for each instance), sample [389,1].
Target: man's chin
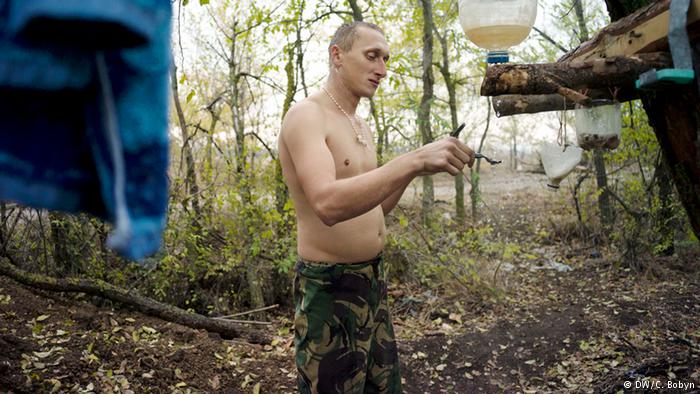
[370,93]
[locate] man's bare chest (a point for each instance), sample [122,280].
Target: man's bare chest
[351,158]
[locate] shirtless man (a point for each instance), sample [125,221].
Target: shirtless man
[343,337]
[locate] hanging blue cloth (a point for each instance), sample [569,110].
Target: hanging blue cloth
[84,112]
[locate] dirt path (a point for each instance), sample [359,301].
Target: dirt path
[587,329]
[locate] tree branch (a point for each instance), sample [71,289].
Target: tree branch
[145,305]
[550,39]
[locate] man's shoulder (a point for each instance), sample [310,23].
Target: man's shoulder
[306,109]
[306,114]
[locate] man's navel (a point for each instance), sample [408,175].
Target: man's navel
[347,162]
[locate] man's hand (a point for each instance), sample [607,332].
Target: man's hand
[446,155]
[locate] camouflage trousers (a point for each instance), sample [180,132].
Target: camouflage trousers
[343,335]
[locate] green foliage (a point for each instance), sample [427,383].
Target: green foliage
[242,62]
[201,2]
[649,216]
[446,254]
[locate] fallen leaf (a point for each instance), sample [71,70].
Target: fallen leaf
[148,330]
[56,385]
[43,354]
[215,382]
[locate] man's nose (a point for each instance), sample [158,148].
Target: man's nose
[381,69]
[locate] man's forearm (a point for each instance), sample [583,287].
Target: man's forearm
[393,199]
[351,197]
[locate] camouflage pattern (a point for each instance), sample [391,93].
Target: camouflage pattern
[342,329]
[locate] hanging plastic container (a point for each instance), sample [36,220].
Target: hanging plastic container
[558,162]
[497,25]
[598,126]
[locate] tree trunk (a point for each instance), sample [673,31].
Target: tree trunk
[356,11]
[300,51]
[208,209]
[583,29]
[604,206]
[451,85]
[243,180]
[674,116]
[190,170]
[60,240]
[149,306]
[424,119]
[618,9]
[379,151]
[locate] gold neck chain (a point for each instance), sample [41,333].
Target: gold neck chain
[360,137]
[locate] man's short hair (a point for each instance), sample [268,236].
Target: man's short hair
[346,34]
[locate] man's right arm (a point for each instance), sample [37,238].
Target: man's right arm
[336,200]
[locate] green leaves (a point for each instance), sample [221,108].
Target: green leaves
[201,2]
[191,95]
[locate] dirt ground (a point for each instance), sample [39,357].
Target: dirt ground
[571,320]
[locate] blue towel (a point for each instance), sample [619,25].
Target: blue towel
[83,123]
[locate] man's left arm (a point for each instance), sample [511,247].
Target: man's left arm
[390,202]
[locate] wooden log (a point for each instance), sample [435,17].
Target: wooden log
[514,104]
[562,78]
[143,304]
[644,31]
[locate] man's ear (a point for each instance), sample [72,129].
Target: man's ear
[336,56]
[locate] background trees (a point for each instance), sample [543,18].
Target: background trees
[240,65]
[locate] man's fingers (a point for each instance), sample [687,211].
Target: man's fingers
[456,162]
[463,152]
[452,170]
[467,151]
[463,157]
[470,153]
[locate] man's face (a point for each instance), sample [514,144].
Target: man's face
[364,65]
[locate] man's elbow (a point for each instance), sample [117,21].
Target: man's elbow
[330,222]
[325,212]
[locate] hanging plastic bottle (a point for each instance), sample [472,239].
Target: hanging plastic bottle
[497,25]
[598,126]
[558,162]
